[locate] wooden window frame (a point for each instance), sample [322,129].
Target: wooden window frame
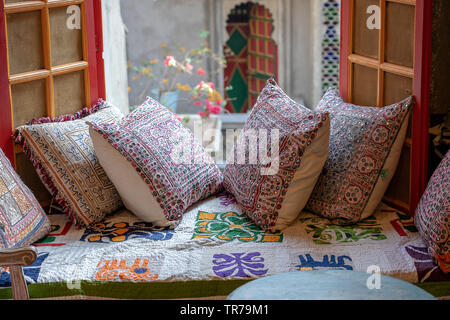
[420,74]
[92,63]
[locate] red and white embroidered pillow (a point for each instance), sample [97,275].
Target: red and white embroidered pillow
[157,165]
[365,146]
[432,217]
[277,159]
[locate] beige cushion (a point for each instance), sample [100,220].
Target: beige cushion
[135,194]
[365,147]
[274,200]
[305,178]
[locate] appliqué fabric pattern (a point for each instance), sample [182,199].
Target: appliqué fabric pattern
[229,226]
[433,215]
[323,232]
[427,270]
[307,262]
[261,196]
[106,232]
[239,265]
[360,141]
[174,165]
[22,220]
[109,270]
[62,153]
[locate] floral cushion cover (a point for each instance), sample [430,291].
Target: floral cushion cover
[433,215]
[365,145]
[22,220]
[63,155]
[272,192]
[172,163]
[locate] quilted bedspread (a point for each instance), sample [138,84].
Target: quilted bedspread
[212,251]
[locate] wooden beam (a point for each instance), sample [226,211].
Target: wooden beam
[23,6]
[15,259]
[69,67]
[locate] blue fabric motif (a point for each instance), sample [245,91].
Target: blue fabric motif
[31,272]
[239,265]
[123,231]
[328,262]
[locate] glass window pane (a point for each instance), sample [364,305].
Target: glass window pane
[66,38]
[396,88]
[365,34]
[29,101]
[399,34]
[365,84]
[24,36]
[69,93]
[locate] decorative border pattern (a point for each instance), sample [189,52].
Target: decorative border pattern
[330,45]
[361,139]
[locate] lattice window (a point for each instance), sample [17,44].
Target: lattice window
[385,58]
[50,53]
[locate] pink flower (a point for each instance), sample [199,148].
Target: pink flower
[170,61]
[213,109]
[216,109]
[201,72]
[198,103]
[211,85]
[189,66]
[203,114]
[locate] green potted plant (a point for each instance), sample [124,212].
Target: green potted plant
[162,74]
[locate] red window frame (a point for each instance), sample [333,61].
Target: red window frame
[96,70]
[421,90]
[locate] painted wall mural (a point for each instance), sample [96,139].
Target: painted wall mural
[251,55]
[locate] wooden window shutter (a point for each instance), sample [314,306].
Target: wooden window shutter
[50,64]
[385,57]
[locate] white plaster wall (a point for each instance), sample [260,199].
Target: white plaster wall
[297,32]
[114,54]
[302,63]
[153,22]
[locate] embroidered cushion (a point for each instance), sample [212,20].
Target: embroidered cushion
[63,155]
[365,147]
[156,164]
[22,220]
[432,217]
[274,189]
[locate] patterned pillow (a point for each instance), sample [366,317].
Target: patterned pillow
[365,146]
[156,164]
[433,215]
[273,190]
[63,155]
[22,220]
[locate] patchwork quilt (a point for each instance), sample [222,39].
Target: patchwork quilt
[214,250]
